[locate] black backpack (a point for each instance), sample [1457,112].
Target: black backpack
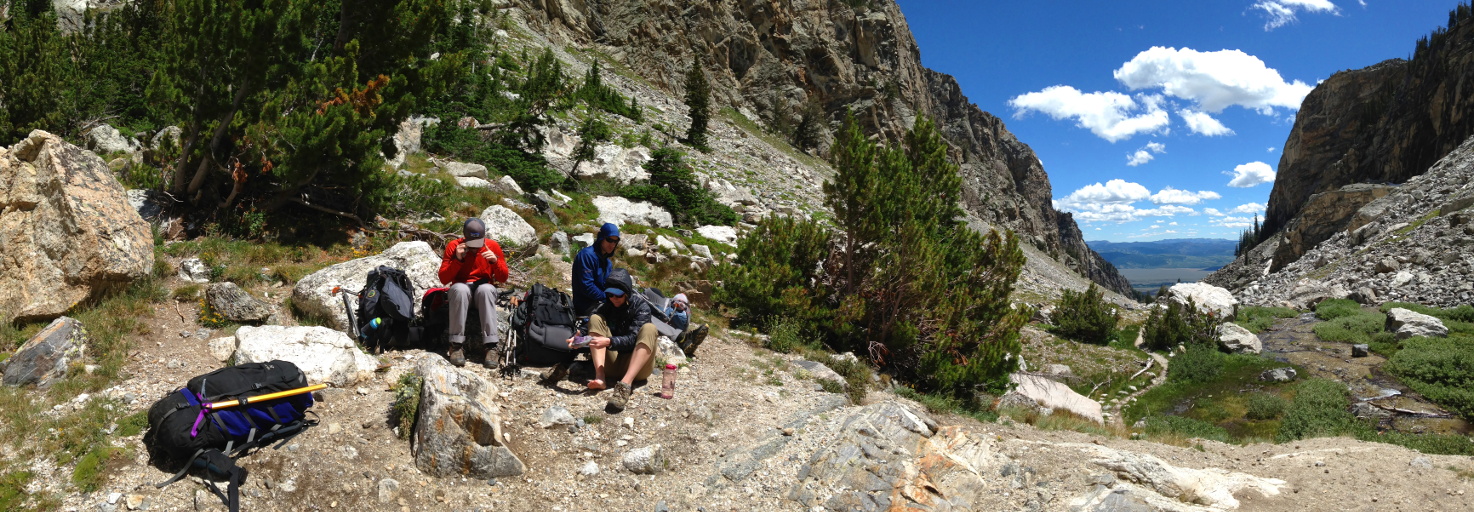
[544,321]
[184,433]
[388,298]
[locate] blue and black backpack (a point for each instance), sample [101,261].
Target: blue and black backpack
[186,434]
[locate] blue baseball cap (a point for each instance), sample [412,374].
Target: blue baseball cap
[614,292]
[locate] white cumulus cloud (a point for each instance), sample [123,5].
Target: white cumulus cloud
[1282,12]
[1249,208]
[1251,174]
[1213,80]
[1203,124]
[1115,191]
[1145,154]
[1213,212]
[1112,116]
[1171,195]
[1233,222]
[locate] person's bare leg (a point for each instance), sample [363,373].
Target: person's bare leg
[638,358]
[597,355]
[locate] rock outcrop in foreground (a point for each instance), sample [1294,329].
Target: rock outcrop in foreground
[67,232]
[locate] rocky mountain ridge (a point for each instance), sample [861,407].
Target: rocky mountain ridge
[1383,124]
[767,61]
[1414,243]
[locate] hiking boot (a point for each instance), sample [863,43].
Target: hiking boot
[693,340]
[493,357]
[555,374]
[619,396]
[456,355]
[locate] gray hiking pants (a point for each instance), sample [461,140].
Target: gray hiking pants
[485,301]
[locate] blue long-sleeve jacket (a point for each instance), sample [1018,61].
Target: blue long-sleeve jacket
[590,269]
[677,319]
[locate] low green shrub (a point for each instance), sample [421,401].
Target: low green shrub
[1187,427]
[788,335]
[1199,364]
[407,403]
[1441,369]
[1319,409]
[1265,406]
[1258,319]
[1179,324]
[1085,316]
[1331,309]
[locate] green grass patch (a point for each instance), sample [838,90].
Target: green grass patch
[947,404]
[1207,401]
[91,469]
[1258,319]
[1265,406]
[1358,326]
[1167,426]
[1441,369]
[1331,309]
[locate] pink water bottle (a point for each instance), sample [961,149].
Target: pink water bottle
[668,382]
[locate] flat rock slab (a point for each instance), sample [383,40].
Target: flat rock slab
[1055,395]
[235,304]
[323,354]
[1407,324]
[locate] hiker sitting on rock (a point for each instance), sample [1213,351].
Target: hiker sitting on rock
[591,267]
[621,339]
[678,315]
[472,267]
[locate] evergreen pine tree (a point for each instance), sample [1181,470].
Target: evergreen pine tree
[698,100]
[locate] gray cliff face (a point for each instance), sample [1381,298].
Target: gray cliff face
[1383,124]
[767,60]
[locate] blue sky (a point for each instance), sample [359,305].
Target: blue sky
[1159,119]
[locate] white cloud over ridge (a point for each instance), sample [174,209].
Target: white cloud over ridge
[1115,191]
[1251,174]
[1203,124]
[1282,12]
[1196,85]
[1249,208]
[1212,80]
[1171,195]
[1145,154]
[1111,202]
[1112,116]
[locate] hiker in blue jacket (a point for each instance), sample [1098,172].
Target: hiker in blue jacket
[591,267]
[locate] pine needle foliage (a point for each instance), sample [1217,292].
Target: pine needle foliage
[903,280]
[1085,316]
[1179,323]
[698,101]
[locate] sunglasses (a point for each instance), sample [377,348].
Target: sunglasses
[612,240]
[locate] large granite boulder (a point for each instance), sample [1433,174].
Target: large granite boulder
[723,234]
[1054,395]
[44,357]
[235,304]
[461,169]
[324,355]
[622,211]
[458,429]
[508,228]
[105,139]
[1236,339]
[67,231]
[1307,294]
[618,164]
[407,138]
[313,295]
[1209,298]
[1407,323]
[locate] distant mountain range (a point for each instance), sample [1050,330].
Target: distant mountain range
[1198,253]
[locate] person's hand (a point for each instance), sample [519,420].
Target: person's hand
[570,342]
[460,252]
[489,256]
[599,342]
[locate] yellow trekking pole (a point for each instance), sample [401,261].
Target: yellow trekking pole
[263,398]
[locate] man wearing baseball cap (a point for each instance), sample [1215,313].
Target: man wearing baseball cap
[621,339]
[471,267]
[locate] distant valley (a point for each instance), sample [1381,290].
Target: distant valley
[1149,265]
